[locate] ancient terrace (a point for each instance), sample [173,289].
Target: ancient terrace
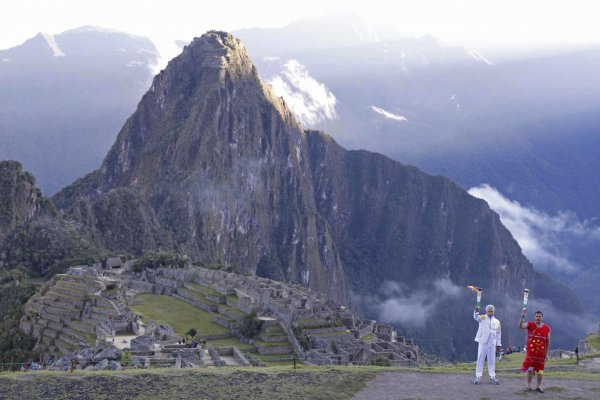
[113,306]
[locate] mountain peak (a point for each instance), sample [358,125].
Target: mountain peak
[220,50]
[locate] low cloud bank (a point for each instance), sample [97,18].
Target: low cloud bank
[539,234]
[411,308]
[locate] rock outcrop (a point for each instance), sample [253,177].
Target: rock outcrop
[20,199]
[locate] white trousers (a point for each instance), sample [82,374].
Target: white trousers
[484,352]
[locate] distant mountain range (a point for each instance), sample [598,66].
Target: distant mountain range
[63,98]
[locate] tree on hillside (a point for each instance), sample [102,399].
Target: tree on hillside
[191,333]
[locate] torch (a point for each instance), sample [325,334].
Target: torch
[525,297]
[478,290]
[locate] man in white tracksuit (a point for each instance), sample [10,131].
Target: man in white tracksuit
[489,337]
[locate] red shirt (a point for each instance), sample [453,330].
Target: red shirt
[537,343]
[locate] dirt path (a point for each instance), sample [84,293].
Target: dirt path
[410,385]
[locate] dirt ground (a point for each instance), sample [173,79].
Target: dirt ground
[409,385]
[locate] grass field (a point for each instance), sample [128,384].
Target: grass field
[178,314]
[271,383]
[182,316]
[220,383]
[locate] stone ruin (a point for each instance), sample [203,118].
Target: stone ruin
[89,305]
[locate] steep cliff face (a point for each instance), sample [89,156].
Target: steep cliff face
[20,199]
[394,222]
[34,237]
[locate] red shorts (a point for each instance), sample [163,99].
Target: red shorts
[533,364]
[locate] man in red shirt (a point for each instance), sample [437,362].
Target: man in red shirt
[538,344]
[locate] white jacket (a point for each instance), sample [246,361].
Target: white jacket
[490,330]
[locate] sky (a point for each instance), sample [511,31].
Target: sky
[479,24]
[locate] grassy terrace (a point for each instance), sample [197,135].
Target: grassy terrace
[234,310]
[91,339]
[271,344]
[331,334]
[232,342]
[273,331]
[198,296]
[204,289]
[232,298]
[176,313]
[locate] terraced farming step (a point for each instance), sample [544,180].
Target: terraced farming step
[62,312]
[273,348]
[208,292]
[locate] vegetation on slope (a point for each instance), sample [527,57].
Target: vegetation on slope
[15,290]
[46,246]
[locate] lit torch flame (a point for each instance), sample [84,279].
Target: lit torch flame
[474,288]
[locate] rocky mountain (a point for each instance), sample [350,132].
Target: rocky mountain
[213,165]
[34,239]
[20,199]
[63,97]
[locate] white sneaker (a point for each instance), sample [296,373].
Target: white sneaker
[494,381]
[477,380]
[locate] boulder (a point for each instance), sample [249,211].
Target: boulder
[112,353]
[102,364]
[158,330]
[142,343]
[115,366]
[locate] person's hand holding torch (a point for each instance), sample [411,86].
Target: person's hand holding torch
[525,298]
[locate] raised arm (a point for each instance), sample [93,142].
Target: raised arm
[476,315]
[522,323]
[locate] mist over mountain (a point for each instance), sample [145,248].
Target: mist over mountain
[63,98]
[525,125]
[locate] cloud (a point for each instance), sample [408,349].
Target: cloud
[388,114]
[539,234]
[410,308]
[311,101]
